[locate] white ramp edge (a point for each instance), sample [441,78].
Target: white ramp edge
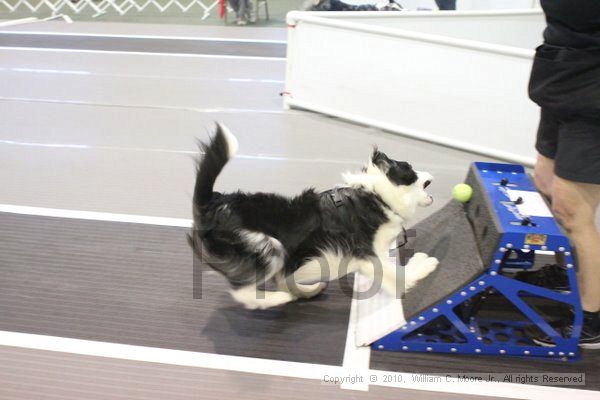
[377,315]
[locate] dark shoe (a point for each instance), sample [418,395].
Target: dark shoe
[589,338]
[550,276]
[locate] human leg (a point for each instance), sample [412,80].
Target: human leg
[575,206]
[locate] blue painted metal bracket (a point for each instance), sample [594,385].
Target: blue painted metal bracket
[480,336]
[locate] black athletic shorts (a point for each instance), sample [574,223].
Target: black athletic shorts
[573,144]
[565,83]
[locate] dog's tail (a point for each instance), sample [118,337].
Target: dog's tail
[216,153]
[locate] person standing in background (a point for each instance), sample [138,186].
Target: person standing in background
[565,83]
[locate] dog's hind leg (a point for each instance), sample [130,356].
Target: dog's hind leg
[269,256]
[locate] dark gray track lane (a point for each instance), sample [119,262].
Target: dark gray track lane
[144,45]
[132,284]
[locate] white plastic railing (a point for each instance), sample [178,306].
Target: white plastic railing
[453,78]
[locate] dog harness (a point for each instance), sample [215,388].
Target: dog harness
[335,196]
[338,201]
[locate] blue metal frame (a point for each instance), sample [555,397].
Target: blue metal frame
[469,338]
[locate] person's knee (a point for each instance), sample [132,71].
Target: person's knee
[565,213]
[543,185]
[570,208]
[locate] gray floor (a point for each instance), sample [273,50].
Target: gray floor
[118,28]
[229,47]
[27,374]
[116,132]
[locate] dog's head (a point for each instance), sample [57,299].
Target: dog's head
[401,187]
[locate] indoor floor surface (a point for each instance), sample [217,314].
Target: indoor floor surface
[95,130]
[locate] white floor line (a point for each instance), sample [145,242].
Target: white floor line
[95,216]
[14,22]
[263,157]
[147,106]
[166,356]
[125,36]
[279,368]
[136,76]
[141,53]
[356,359]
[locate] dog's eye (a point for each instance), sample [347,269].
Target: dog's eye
[427,183]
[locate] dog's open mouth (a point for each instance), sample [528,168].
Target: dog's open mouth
[427,202]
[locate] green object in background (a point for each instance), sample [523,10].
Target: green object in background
[462,192]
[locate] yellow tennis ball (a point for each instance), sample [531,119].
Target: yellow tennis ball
[462,192]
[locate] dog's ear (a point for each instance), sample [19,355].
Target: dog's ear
[380,160]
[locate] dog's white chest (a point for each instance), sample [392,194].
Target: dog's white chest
[387,233]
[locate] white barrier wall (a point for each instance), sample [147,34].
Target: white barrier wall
[461,4]
[454,78]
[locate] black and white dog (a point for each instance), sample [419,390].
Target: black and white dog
[301,243]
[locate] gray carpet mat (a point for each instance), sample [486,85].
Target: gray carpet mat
[133,284]
[144,45]
[447,235]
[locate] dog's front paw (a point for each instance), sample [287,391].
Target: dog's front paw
[418,257]
[429,265]
[419,269]
[416,260]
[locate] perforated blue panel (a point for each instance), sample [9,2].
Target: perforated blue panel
[470,334]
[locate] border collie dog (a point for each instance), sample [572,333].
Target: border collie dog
[298,244]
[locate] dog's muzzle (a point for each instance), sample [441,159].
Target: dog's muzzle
[428,202]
